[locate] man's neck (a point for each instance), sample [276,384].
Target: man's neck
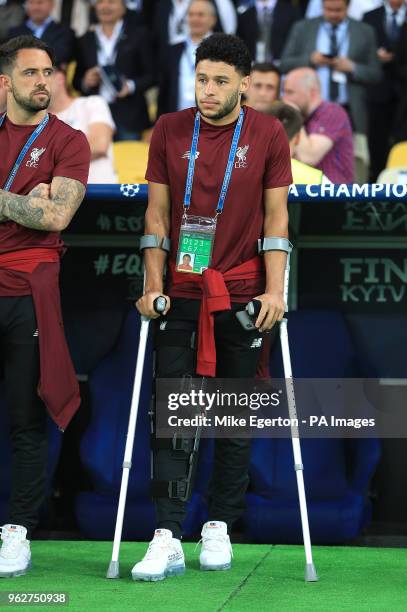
[337,23]
[19,116]
[196,39]
[39,22]
[108,29]
[230,118]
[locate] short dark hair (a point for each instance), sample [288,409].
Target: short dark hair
[9,50]
[290,118]
[225,48]
[265,67]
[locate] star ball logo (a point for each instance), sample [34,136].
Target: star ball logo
[129,191]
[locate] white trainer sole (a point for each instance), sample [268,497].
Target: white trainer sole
[208,568]
[176,570]
[16,573]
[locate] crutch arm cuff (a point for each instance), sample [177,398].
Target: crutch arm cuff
[152,241]
[274,243]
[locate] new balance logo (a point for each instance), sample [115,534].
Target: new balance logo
[163,325]
[187,155]
[35,334]
[257,342]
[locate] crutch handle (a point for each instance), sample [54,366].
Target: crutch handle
[160,304]
[253,308]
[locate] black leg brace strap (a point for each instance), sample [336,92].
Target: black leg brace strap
[176,334]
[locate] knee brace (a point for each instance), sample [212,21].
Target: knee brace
[177,335]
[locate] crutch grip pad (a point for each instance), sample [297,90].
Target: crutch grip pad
[253,308]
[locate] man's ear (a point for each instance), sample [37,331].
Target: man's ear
[5,82]
[244,84]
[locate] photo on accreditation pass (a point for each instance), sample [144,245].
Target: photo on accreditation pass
[186,262]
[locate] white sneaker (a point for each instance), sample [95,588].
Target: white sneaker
[216,553]
[164,557]
[15,553]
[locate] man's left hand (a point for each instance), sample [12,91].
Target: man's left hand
[343,64]
[272,310]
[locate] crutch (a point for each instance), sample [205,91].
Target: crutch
[310,571]
[159,307]
[253,311]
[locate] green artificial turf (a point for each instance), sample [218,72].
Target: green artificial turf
[263,578]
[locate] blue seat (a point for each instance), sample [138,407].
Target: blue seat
[337,472]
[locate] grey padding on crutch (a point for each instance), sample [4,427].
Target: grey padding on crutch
[310,571]
[113,569]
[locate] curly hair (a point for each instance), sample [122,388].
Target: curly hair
[225,48]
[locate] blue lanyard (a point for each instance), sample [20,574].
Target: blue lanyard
[24,150]
[229,167]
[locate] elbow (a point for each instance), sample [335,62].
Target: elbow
[99,150]
[59,224]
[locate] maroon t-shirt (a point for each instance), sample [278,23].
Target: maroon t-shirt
[58,151]
[262,162]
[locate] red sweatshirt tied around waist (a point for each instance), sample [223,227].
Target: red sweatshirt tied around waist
[215,297]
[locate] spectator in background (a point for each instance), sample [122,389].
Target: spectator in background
[41,25]
[399,130]
[357,8]
[114,60]
[92,116]
[80,14]
[177,82]
[171,21]
[264,25]
[11,16]
[384,98]
[74,14]
[343,51]
[264,88]
[291,118]
[326,140]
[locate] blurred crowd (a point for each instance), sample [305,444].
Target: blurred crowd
[341,64]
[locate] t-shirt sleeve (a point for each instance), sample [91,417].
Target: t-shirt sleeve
[99,111]
[157,171]
[330,123]
[278,161]
[74,158]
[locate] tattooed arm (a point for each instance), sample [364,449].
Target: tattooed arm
[47,207]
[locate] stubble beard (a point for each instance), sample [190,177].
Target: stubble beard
[225,110]
[31,104]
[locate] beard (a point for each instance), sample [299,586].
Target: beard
[229,105]
[31,103]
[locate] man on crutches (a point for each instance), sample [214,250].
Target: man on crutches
[218,181]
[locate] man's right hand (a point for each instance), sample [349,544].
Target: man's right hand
[318,59]
[145,305]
